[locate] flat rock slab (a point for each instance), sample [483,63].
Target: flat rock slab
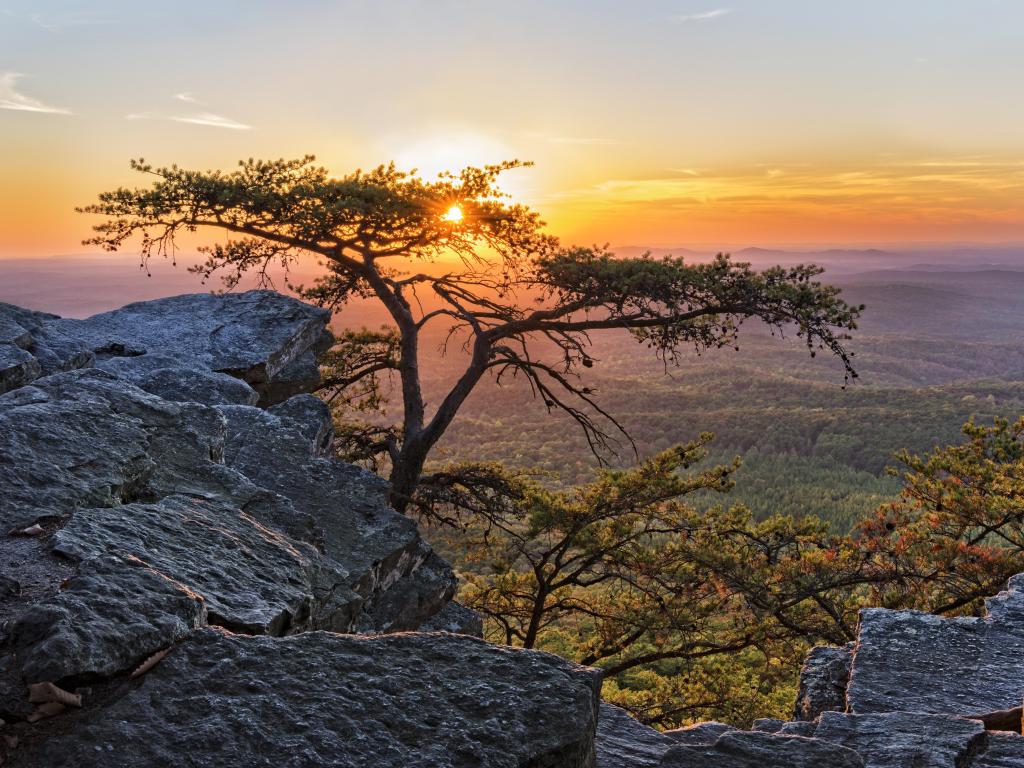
[624,742]
[252,335]
[253,579]
[917,662]
[437,701]
[112,615]
[755,749]
[904,740]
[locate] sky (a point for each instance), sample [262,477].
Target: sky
[650,122]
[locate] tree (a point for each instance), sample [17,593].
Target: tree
[956,534]
[522,304]
[707,613]
[678,605]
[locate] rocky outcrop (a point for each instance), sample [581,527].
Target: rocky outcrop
[253,336]
[155,501]
[189,578]
[916,662]
[913,691]
[326,699]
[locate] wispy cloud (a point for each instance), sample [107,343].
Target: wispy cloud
[208,119]
[683,18]
[212,120]
[11,98]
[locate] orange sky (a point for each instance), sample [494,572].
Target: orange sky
[652,123]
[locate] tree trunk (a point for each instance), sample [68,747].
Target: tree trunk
[406,471]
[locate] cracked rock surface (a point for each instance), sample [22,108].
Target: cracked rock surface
[168,498]
[917,662]
[325,699]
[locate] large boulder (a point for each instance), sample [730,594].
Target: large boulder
[917,662]
[325,699]
[253,335]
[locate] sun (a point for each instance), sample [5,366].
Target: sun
[453,214]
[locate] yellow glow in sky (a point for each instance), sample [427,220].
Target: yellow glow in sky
[658,123]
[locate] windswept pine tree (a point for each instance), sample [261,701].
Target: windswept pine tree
[522,303]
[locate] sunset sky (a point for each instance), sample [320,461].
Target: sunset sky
[652,122]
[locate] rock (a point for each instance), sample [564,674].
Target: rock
[823,680]
[301,375]
[312,416]
[188,385]
[111,615]
[1002,750]
[252,579]
[17,367]
[457,618]
[37,333]
[58,453]
[9,586]
[378,546]
[767,725]
[252,336]
[624,742]
[417,596]
[324,699]
[904,740]
[11,331]
[797,728]
[917,662]
[700,734]
[753,749]
[165,501]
